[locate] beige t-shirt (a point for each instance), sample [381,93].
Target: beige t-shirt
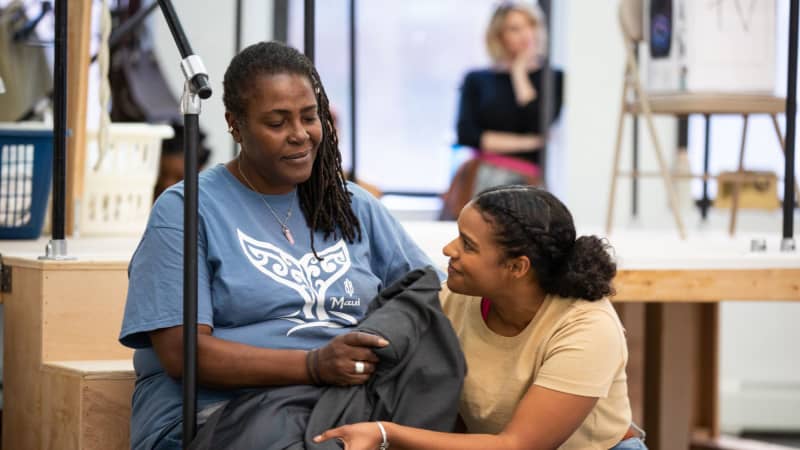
[572,346]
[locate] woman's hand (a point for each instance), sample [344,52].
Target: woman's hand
[348,359]
[360,436]
[524,91]
[525,59]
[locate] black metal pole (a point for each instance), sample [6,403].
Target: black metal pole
[200,80]
[635,168]
[195,88]
[190,200]
[683,149]
[308,29]
[705,202]
[791,116]
[353,96]
[635,161]
[175,28]
[546,93]
[683,133]
[60,122]
[238,28]
[280,20]
[237,47]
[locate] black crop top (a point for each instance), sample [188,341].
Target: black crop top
[488,103]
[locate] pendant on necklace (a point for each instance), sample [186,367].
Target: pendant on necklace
[287,233]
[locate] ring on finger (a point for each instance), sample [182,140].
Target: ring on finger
[359,367]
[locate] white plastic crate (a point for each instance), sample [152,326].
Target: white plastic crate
[118,185]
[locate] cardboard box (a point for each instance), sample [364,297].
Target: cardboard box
[725,46]
[757,191]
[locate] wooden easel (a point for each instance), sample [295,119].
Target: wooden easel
[79,24]
[636,101]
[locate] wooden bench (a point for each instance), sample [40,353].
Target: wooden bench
[58,311]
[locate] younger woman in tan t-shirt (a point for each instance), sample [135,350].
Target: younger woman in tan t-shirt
[546,354]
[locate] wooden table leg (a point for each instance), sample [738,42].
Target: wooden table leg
[633,319]
[706,391]
[680,374]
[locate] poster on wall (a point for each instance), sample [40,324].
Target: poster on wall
[710,45]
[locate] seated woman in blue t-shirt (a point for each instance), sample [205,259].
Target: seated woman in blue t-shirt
[289,256]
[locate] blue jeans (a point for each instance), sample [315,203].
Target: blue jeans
[633,443]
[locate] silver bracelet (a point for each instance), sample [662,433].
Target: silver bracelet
[385,444]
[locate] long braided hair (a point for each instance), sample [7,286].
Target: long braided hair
[324,198]
[532,222]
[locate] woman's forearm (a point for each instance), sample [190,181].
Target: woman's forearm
[504,142]
[226,364]
[406,438]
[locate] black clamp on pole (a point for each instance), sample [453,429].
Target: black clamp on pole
[546,97]
[195,87]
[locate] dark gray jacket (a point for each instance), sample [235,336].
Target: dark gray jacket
[417,382]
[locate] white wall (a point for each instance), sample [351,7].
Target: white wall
[210,28]
[759,366]
[594,68]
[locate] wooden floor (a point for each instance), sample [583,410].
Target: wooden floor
[786,439]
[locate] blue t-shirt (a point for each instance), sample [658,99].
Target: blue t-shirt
[254,287]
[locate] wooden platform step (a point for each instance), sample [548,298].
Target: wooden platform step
[87,404]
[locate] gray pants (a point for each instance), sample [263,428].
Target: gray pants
[490,176]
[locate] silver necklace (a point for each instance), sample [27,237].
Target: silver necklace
[287,233]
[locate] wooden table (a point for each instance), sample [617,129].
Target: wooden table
[667,295]
[659,267]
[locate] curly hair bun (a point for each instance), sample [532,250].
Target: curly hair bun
[589,271]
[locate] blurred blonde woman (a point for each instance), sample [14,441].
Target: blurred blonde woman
[499,110]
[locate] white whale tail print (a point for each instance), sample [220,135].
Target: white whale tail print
[308,276]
